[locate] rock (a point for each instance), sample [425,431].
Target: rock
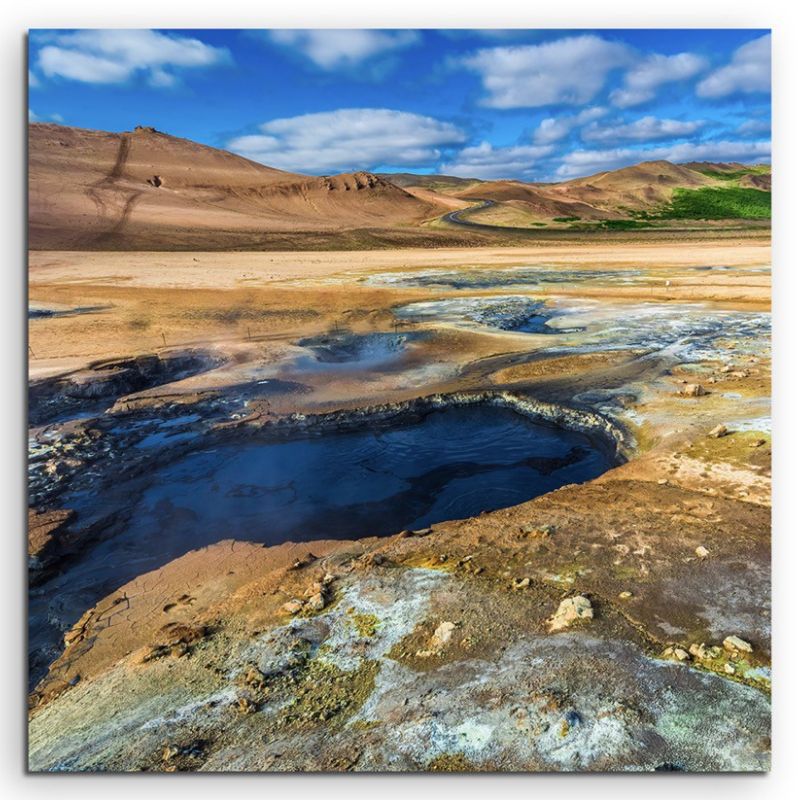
[625,595]
[701,552]
[729,668]
[758,443]
[316,602]
[675,653]
[571,610]
[521,583]
[292,607]
[718,432]
[662,481]
[734,644]
[246,706]
[681,654]
[304,561]
[692,390]
[169,752]
[443,634]
[537,531]
[698,651]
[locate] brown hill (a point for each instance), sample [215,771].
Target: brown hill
[536,200]
[443,184]
[756,181]
[716,166]
[147,190]
[640,187]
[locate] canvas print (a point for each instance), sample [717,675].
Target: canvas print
[399,400]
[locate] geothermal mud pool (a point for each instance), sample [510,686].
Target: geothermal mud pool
[431,480]
[376,481]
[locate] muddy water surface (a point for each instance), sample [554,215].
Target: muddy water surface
[452,464]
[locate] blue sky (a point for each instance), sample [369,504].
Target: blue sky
[526,104]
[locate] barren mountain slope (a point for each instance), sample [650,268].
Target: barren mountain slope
[144,189]
[640,187]
[536,200]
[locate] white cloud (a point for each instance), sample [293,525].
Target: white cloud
[115,56]
[34,117]
[348,139]
[642,130]
[553,129]
[586,162]
[754,126]
[567,71]
[488,162]
[641,82]
[33,81]
[748,71]
[335,48]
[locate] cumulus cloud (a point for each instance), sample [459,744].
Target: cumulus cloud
[488,162]
[748,71]
[643,80]
[586,162]
[754,126]
[642,130]
[115,56]
[349,139]
[554,129]
[568,71]
[332,49]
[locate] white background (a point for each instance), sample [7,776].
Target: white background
[17,17]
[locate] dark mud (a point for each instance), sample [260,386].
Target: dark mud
[177,485]
[92,390]
[345,350]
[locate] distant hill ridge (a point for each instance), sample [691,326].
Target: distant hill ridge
[144,189]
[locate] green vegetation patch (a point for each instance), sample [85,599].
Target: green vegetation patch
[717,203]
[734,175]
[623,224]
[566,219]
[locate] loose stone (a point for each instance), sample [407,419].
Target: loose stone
[734,644]
[693,390]
[571,610]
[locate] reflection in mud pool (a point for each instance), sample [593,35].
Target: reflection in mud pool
[454,463]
